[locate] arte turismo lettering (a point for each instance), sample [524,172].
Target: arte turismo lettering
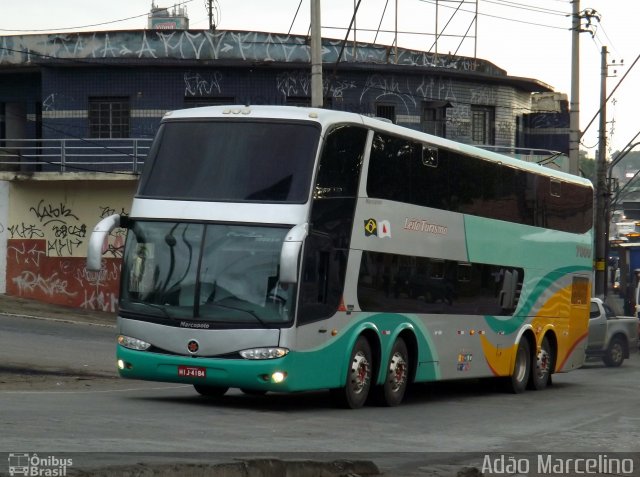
[418,225]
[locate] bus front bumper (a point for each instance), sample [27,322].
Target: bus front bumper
[277,375]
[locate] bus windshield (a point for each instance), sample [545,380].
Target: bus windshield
[225,274]
[231,160]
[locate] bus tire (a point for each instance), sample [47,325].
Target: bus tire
[542,367]
[397,375]
[519,378]
[210,391]
[354,393]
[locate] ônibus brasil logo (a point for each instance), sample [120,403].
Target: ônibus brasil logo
[24,463]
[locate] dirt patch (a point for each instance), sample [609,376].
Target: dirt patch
[18,378]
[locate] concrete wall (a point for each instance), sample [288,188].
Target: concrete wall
[47,226]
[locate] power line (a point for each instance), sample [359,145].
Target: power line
[432,2]
[381,18]
[521,6]
[294,17]
[438,35]
[403,32]
[90,25]
[611,94]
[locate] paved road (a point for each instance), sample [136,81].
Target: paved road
[52,346]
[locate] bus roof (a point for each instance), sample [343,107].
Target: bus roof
[326,117]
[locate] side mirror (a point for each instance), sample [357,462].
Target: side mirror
[98,236]
[290,253]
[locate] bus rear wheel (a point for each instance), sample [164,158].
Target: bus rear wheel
[519,378]
[356,390]
[541,373]
[210,391]
[397,376]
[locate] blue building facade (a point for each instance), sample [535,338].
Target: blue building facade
[119,84]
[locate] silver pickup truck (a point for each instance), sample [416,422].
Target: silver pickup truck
[611,337]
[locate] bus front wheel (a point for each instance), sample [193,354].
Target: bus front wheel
[519,378]
[356,390]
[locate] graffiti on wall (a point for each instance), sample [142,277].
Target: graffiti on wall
[33,273]
[388,88]
[55,221]
[43,261]
[375,88]
[200,85]
[218,45]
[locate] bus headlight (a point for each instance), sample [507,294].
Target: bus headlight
[133,343]
[263,353]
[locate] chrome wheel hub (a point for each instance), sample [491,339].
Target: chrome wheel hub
[360,372]
[397,372]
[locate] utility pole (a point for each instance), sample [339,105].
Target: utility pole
[602,189]
[316,55]
[396,39]
[574,113]
[212,27]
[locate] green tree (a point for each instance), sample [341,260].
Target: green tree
[587,166]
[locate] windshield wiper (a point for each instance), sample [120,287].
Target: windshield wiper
[154,306]
[249,312]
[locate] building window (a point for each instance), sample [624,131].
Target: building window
[483,125]
[386,111]
[434,117]
[109,117]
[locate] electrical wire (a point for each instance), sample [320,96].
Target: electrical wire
[433,2]
[344,42]
[609,42]
[381,18]
[465,35]
[611,94]
[184,2]
[403,32]
[294,17]
[522,6]
[445,26]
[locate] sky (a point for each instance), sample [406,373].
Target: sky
[527,38]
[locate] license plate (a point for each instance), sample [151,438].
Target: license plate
[192,372]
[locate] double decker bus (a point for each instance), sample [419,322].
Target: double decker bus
[283,249]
